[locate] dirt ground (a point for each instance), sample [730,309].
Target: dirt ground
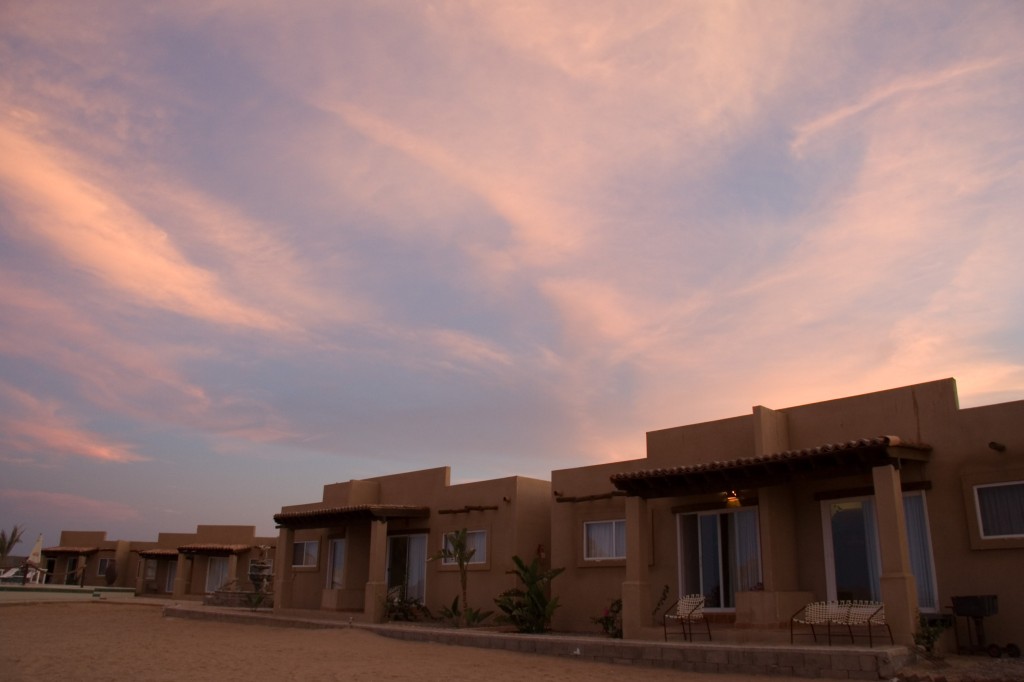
[110,641]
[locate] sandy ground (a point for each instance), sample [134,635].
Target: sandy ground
[111,641]
[85,641]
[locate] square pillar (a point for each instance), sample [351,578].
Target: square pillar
[233,570]
[377,582]
[899,590]
[283,569]
[181,576]
[636,589]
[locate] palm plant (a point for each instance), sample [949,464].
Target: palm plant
[9,540]
[455,547]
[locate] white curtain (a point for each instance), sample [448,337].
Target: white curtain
[871,545]
[920,551]
[216,573]
[417,568]
[747,554]
[600,539]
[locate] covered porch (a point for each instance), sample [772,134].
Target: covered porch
[354,574]
[772,591]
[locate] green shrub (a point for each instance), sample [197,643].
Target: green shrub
[530,609]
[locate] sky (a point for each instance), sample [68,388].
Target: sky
[249,248]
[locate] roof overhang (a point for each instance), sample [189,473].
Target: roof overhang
[65,551]
[825,461]
[158,553]
[213,549]
[328,517]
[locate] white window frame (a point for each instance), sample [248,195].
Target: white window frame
[479,557]
[977,510]
[618,553]
[306,553]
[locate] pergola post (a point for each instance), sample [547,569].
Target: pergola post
[636,590]
[899,590]
[376,585]
[283,568]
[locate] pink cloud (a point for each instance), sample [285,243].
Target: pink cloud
[63,506]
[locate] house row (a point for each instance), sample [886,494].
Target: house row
[898,496]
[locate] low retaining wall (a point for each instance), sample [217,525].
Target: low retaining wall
[836,662]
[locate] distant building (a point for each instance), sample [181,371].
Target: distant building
[368,541]
[83,558]
[898,496]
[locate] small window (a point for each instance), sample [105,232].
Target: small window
[101,569]
[1000,509]
[305,553]
[476,540]
[604,540]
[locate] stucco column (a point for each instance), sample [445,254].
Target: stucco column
[377,585]
[283,569]
[899,591]
[181,576]
[636,591]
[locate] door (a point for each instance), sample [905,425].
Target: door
[336,564]
[407,566]
[172,572]
[851,549]
[216,573]
[719,555]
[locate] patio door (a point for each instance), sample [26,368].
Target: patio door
[851,549]
[172,572]
[719,554]
[336,564]
[216,573]
[407,566]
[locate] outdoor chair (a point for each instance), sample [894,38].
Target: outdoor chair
[818,613]
[688,610]
[869,614]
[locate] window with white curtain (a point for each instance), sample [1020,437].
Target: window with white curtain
[720,554]
[604,540]
[476,540]
[216,573]
[305,553]
[854,569]
[1000,509]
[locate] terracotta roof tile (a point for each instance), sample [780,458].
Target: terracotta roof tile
[70,550]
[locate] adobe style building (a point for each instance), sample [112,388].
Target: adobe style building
[83,557]
[368,541]
[193,565]
[898,496]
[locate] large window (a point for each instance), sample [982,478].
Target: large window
[476,540]
[101,569]
[216,573]
[172,572]
[1000,509]
[720,554]
[604,540]
[854,562]
[336,564]
[407,566]
[305,553]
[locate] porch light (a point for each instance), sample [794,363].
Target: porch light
[732,499]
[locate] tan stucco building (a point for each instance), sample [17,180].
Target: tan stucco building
[83,557]
[193,565]
[369,540]
[898,496]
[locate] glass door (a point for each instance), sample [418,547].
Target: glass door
[407,566]
[336,564]
[719,555]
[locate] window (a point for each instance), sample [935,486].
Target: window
[336,564]
[720,554]
[101,570]
[851,545]
[604,540]
[407,567]
[476,540]
[305,553]
[172,572]
[216,573]
[151,569]
[71,577]
[1000,509]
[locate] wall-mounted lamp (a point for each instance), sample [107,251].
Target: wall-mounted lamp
[732,499]
[998,447]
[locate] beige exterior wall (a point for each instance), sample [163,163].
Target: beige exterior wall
[514,512]
[791,522]
[107,551]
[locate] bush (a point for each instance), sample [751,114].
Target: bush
[611,620]
[530,609]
